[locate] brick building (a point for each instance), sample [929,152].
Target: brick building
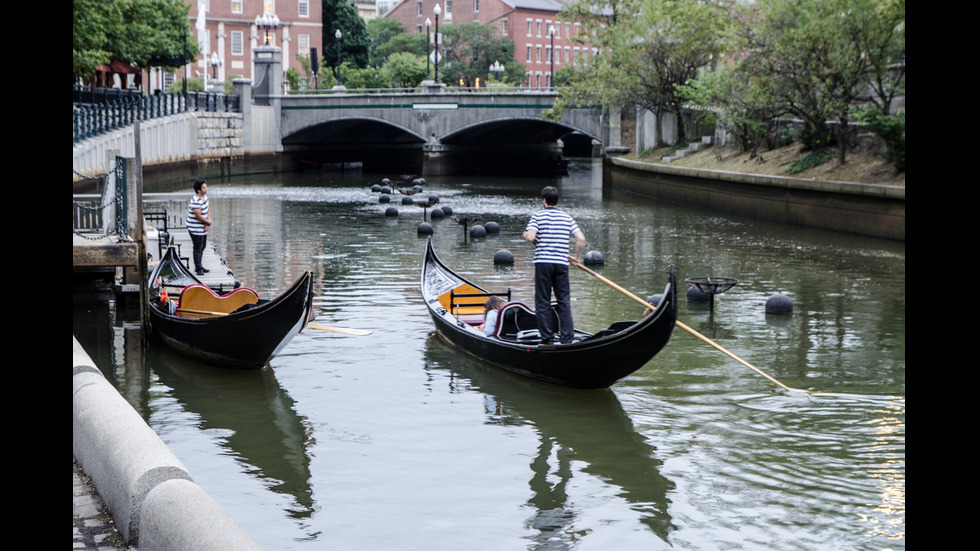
[525,21]
[230,31]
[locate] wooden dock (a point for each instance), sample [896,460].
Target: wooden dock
[220,277]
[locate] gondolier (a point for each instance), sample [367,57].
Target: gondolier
[199,222]
[550,229]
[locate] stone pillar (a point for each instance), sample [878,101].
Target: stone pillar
[268,74]
[242,87]
[614,134]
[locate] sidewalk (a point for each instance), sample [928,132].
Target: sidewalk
[92,527]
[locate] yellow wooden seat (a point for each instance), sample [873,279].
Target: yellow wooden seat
[201,300]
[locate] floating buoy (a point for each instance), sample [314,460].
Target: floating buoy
[695,295]
[418,182]
[425,228]
[779,304]
[407,200]
[492,227]
[478,231]
[448,211]
[655,299]
[385,198]
[385,189]
[437,213]
[503,256]
[593,258]
[433,198]
[391,211]
[385,182]
[376,188]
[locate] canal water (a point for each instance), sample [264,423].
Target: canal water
[395,441]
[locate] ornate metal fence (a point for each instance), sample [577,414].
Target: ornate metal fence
[107,112]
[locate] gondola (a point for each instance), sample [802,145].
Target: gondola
[591,361]
[236,329]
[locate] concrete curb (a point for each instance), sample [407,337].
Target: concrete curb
[144,486]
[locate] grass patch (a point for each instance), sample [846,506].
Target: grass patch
[813,159]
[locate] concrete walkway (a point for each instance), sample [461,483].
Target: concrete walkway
[92,528]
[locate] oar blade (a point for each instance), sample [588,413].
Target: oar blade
[344,330]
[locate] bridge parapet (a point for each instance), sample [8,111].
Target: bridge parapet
[432,115]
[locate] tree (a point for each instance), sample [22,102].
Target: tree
[647,49]
[342,15]
[815,55]
[404,70]
[380,31]
[130,31]
[731,98]
[92,21]
[470,49]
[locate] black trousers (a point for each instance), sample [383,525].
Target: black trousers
[548,277]
[199,241]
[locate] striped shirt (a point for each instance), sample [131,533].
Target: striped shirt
[553,228]
[195,226]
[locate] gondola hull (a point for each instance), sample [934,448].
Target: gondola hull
[592,361]
[246,339]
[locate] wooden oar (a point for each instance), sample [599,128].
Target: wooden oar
[647,305]
[344,330]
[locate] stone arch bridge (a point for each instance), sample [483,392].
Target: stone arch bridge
[436,133]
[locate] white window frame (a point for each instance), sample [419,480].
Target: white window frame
[237,43]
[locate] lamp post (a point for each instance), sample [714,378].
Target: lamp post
[428,23]
[496,69]
[267,21]
[338,34]
[437,10]
[551,33]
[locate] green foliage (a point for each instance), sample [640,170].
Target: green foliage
[130,31]
[648,48]
[814,158]
[380,32]
[194,84]
[469,51]
[815,138]
[891,129]
[404,70]
[292,78]
[354,42]
[729,97]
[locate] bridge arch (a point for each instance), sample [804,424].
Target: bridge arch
[433,133]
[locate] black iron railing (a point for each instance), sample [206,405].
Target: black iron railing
[107,111]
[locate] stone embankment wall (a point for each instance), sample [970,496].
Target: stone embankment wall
[865,209]
[188,137]
[152,498]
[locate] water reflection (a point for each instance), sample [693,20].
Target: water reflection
[261,428]
[589,428]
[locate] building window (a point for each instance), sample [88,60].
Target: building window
[304,8]
[567,53]
[528,53]
[419,11]
[539,27]
[476,6]
[303,44]
[529,27]
[237,43]
[538,49]
[236,6]
[503,28]
[547,54]
[449,9]
[567,28]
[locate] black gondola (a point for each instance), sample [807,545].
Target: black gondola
[245,337]
[591,361]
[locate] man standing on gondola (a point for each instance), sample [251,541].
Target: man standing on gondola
[550,229]
[199,222]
